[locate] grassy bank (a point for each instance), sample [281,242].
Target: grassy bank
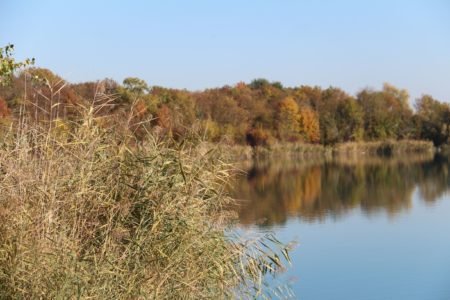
[88,213]
[240,152]
[384,147]
[316,151]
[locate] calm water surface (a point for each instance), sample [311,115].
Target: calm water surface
[367,229]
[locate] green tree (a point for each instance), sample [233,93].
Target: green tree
[8,65]
[397,101]
[350,120]
[433,119]
[136,85]
[387,113]
[259,83]
[340,117]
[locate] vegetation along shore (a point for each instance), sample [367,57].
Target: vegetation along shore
[112,190]
[94,205]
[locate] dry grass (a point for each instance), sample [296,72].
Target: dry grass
[290,150]
[83,214]
[304,152]
[385,147]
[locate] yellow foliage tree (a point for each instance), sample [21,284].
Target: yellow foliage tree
[288,119]
[309,124]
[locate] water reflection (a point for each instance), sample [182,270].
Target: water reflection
[272,192]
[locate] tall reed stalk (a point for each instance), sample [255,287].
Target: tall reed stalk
[88,213]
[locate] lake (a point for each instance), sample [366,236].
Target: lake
[372,228]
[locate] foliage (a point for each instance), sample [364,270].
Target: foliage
[258,113]
[91,214]
[96,206]
[350,120]
[433,119]
[387,113]
[259,83]
[288,120]
[309,124]
[258,137]
[135,85]
[8,65]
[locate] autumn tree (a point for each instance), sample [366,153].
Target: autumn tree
[349,120]
[434,119]
[288,124]
[387,114]
[175,109]
[256,113]
[307,95]
[258,137]
[90,89]
[45,95]
[309,124]
[8,66]
[397,101]
[340,117]
[220,106]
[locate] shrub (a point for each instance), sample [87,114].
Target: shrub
[258,137]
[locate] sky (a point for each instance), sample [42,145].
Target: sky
[202,44]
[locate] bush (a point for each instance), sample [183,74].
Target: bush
[258,137]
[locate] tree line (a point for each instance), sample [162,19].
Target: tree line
[256,113]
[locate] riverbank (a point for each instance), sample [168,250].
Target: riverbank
[384,148]
[316,151]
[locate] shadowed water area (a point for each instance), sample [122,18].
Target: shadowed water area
[372,228]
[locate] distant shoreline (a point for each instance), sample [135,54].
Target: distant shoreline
[304,150]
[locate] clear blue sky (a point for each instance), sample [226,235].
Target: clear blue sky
[199,44]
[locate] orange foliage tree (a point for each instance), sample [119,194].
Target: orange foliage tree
[309,124]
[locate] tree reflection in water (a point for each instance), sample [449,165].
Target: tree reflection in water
[272,192]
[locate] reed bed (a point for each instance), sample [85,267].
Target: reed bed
[385,147]
[88,213]
[307,152]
